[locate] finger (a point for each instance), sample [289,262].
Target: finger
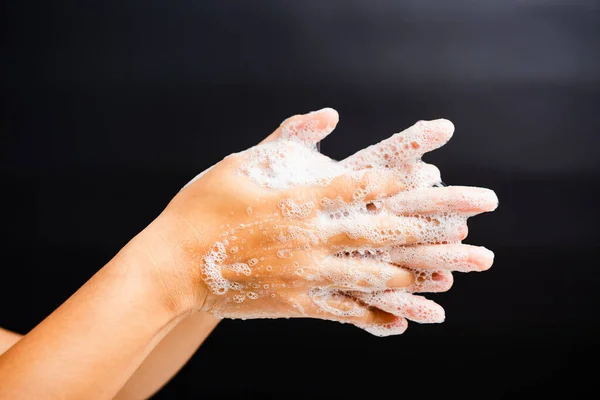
[363,186]
[395,325]
[363,273]
[453,257]
[410,144]
[468,200]
[403,304]
[382,230]
[369,274]
[431,281]
[418,174]
[308,128]
[333,305]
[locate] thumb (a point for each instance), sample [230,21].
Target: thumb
[308,128]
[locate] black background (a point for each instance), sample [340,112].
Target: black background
[108,108]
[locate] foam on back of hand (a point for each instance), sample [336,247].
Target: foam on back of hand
[283,164]
[311,227]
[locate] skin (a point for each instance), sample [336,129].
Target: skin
[7,339]
[131,327]
[163,362]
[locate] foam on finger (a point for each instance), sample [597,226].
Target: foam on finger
[404,304]
[409,144]
[396,327]
[335,305]
[307,204]
[310,128]
[453,257]
[468,200]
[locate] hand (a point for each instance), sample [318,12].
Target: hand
[282,220]
[431,263]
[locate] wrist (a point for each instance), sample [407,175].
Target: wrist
[163,255]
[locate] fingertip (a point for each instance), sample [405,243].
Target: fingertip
[442,128]
[310,128]
[327,118]
[329,114]
[392,325]
[492,198]
[426,311]
[481,257]
[439,314]
[471,200]
[446,126]
[423,310]
[486,199]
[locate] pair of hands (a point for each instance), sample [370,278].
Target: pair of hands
[280,230]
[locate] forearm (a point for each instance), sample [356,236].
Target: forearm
[163,362]
[169,356]
[91,345]
[7,339]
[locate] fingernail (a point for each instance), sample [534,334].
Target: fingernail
[401,279]
[436,276]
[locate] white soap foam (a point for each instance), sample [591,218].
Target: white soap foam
[336,303]
[404,304]
[285,164]
[288,163]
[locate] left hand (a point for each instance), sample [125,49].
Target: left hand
[220,200]
[431,263]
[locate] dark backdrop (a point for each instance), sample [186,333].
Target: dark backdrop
[108,108]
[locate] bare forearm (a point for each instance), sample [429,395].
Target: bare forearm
[91,344]
[7,339]
[169,356]
[163,362]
